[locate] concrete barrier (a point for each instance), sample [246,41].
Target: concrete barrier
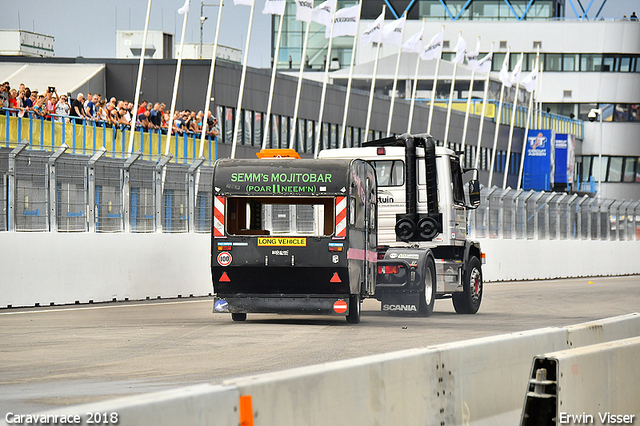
[476,382]
[595,384]
[61,268]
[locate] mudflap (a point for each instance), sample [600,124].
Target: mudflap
[399,302]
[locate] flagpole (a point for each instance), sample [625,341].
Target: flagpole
[495,136]
[526,130]
[453,84]
[373,83]
[511,126]
[348,95]
[395,84]
[136,97]
[207,102]
[539,124]
[299,88]
[175,87]
[484,106]
[466,116]
[324,83]
[236,126]
[273,83]
[433,92]
[415,85]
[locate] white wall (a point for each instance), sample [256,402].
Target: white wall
[62,268]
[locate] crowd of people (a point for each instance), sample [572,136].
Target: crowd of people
[112,113]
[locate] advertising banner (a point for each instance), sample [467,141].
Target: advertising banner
[565,157]
[539,161]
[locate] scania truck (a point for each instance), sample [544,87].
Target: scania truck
[387,220]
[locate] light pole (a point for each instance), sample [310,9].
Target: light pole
[593,114]
[202,19]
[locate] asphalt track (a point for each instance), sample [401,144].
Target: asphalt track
[56,356]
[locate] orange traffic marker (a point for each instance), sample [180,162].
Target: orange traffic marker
[224,278]
[246,411]
[335,278]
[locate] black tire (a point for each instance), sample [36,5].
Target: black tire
[468,302]
[428,294]
[353,317]
[237,316]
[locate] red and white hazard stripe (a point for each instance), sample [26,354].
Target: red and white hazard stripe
[341,216]
[218,217]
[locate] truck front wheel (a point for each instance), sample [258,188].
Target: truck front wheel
[468,302]
[428,294]
[353,317]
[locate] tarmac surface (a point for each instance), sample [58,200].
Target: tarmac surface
[58,356]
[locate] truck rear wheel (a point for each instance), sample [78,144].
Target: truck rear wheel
[468,302]
[353,317]
[428,294]
[238,316]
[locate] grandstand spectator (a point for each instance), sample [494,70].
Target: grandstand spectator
[21,98]
[142,107]
[77,109]
[112,113]
[39,109]
[87,100]
[62,109]
[32,100]
[13,99]
[124,123]
[101,112]
[143,120]
[154,117]
[113,101]
[212,125]
[90,108]
[28,101]
[178,124]
[4,95]
[188,120]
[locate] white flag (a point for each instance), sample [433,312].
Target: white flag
[323,13]
[185,7]
[274,7]
[433,50]
[345,22]
[414,44]
[243,2]
[392,33]
[461,47]
[515,75]
[472,58]
[529,82]
[304,10]
[484,64]
[504,72]
[374,32]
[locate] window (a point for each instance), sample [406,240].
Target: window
[590,62]
[389,172]
[456,182]
[293,216]
[629,169]
[615,169]
[553,62]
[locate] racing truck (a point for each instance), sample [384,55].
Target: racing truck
[423,250]
[387,220]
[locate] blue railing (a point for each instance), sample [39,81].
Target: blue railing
[88,137]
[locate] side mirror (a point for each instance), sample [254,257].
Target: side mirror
[474,193]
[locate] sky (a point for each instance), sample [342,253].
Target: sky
[88,27]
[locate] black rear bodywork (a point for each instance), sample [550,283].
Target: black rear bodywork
[258,267]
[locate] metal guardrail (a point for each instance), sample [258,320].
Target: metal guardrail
[511,214]
[63,192]
[60,192]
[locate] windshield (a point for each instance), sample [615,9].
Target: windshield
[307,216]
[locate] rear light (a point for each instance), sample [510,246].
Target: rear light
[387,269]
[381,150]
[225,246]
[335,246]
